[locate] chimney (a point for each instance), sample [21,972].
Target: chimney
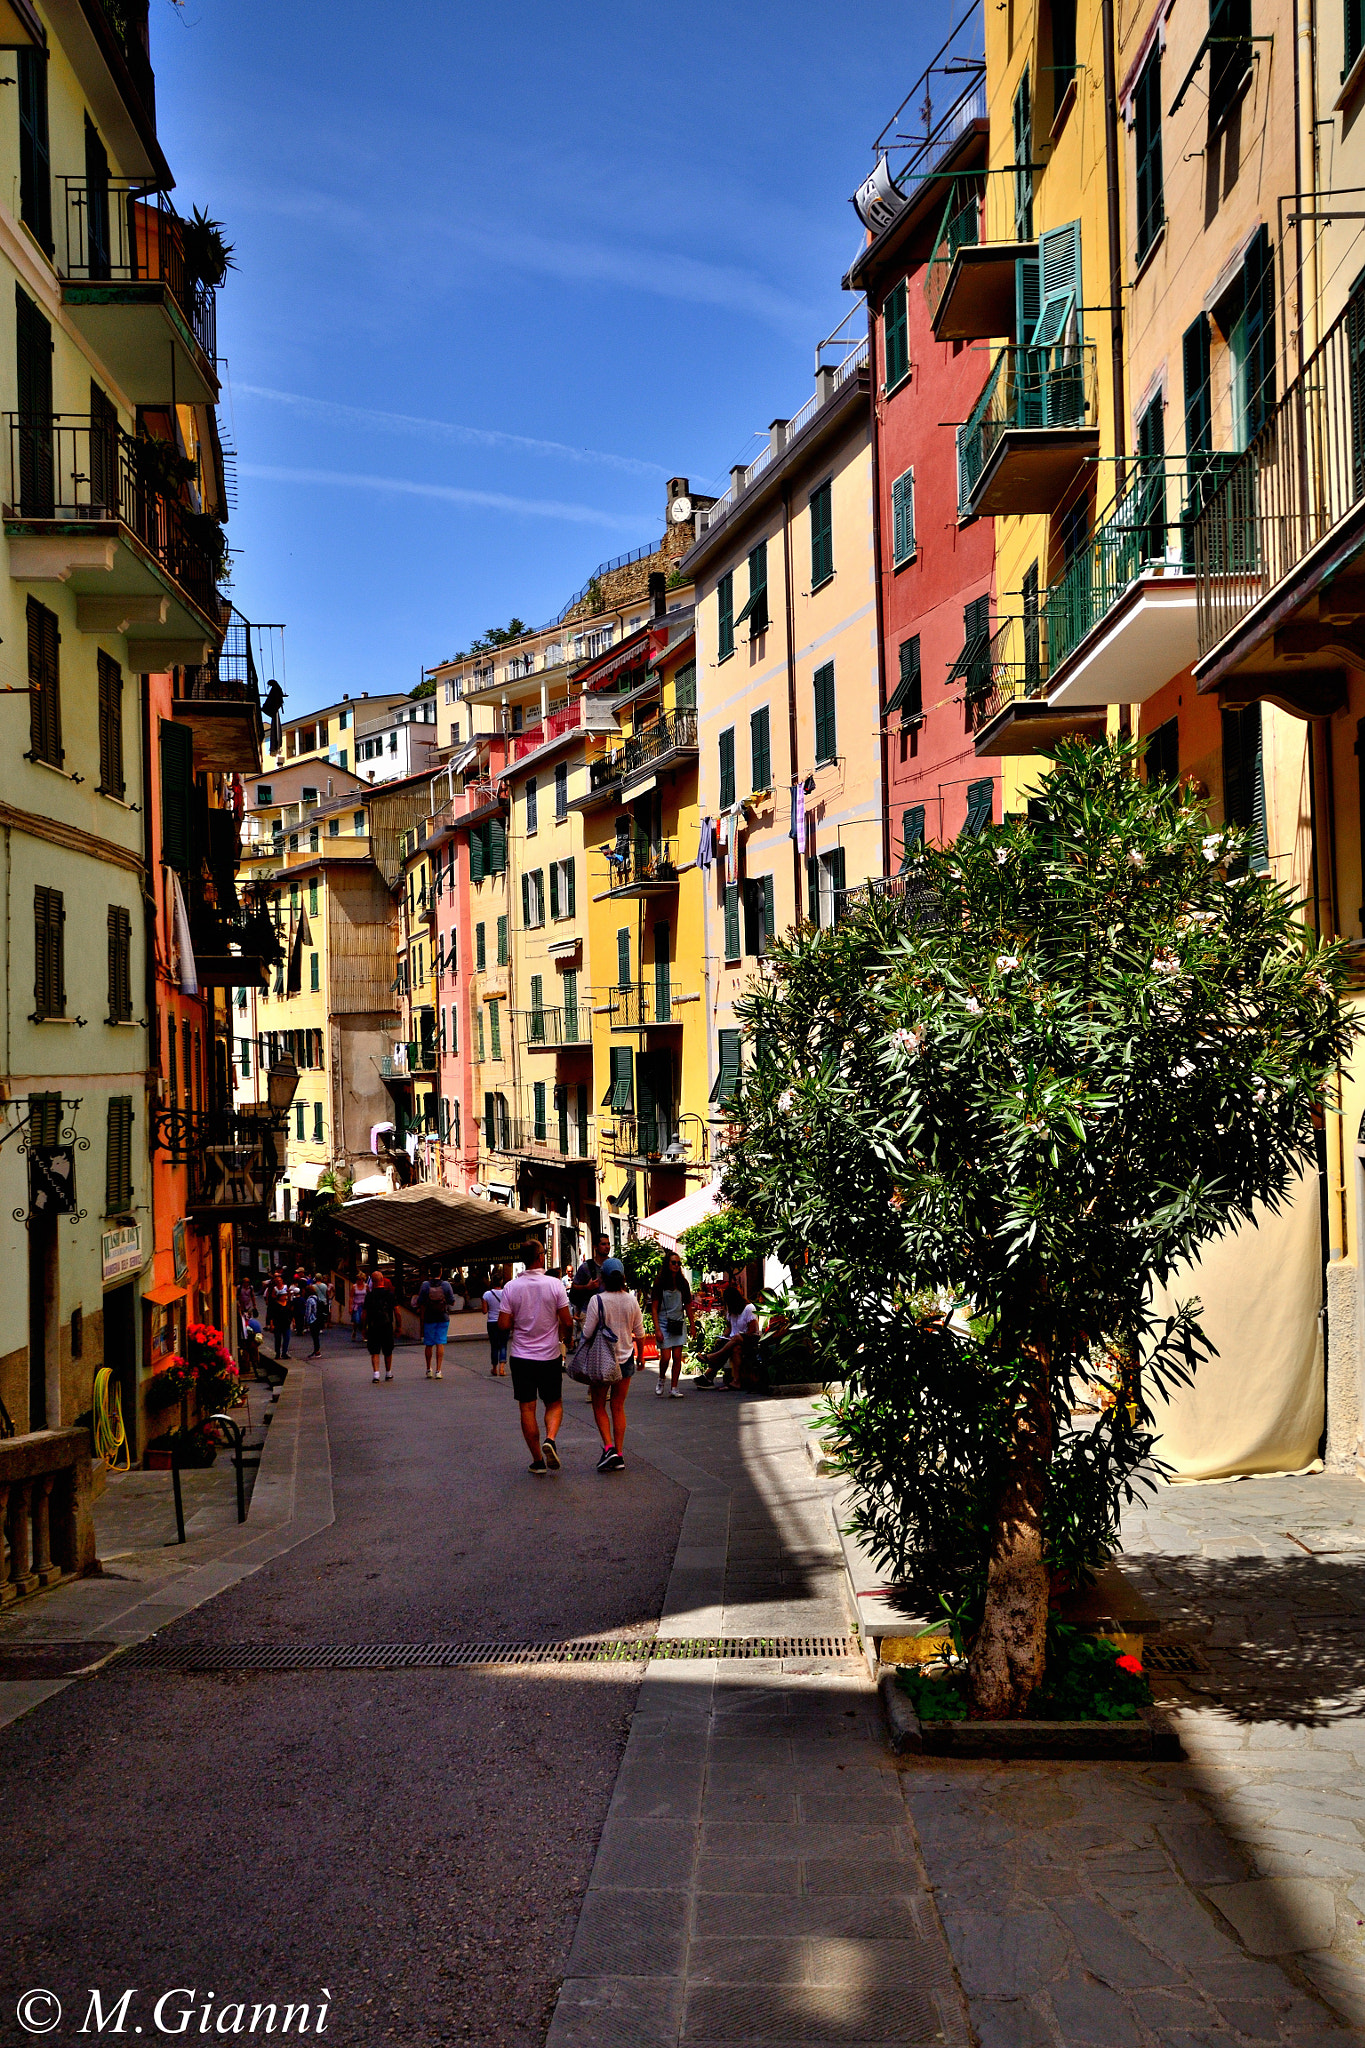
[824,383]
[737,475]
[658,593]
[777,437]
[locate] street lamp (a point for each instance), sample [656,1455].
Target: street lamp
[282,1085]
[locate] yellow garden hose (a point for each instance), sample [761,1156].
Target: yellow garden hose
[110,1440]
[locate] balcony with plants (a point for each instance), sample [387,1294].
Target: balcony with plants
[141,284]
[659,1139]
[641,865]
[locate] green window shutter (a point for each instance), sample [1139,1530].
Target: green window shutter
[1151,207]
[1355,33]
[826,735]
[685,681]
[526,899]
[177,786]
[769,911]
[582,1100]
[623,957]
[912,831]
[532,805]
[35,167]
[620,1093]
[1258,275]
[570,1000]
[756,610]
[480,947]
[537,1032]
[727,1080]
[732,945]
[495,1028]
[538,895]
[1229,56]
[312,899]
[760,749]
[317,1123]
[1244,778]
[478,1031]
[561,1100]
[476,855]
[314,966]
[538,1100]
[903,517]
[110,677]
[120,965]
[489,1122]
[663,993]
[1023,161]
[813,889]
[980,804]
[571,900]
[299,1125]
[497,847]
[821,535]
[838,880]
[44,681]
[502,941]
[896,328]
[554,889]
[118,1155]
[562,790]
[908,695]
[725,620]
[727,769]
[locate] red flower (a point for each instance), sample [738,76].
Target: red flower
[1129,1664]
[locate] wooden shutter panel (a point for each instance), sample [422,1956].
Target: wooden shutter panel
[813,889]
[732,921]
[177,787]
[769,912]
[727,768]
[120,976]
[118,1155]
[571,904]
[111,724]
[554,888]
[1028,297]
[497,846]
[821,535]
[35,167]
[45,701]
[825,736]
[1258,274]
[526,899]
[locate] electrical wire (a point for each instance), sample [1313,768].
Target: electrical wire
[109,1436]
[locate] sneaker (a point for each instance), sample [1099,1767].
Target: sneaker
[375,1381]
[660,1386]
[438,1372]
[428,1372]
[388,1375]
[608,1460]
[537,1465]
[618,1463]
[677,1393]
[551,1449]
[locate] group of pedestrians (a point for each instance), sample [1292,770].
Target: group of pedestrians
[299,1306]
[539,1317]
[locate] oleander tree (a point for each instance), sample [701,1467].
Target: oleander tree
[979,1121]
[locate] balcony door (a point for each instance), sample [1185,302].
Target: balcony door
[33,351]
[654,1100]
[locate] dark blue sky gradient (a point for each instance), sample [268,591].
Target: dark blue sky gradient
[501,272]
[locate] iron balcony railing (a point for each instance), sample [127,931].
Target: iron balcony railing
[642,1004]
[1286,492]
[421,1056]
[960,228]
[228,677]
[559,1134]
[634,862]
[673,732]
[117,232]
[70,467]
[1029,389]
[561,719]
[1147,527]
[548,1027]
[658,1140]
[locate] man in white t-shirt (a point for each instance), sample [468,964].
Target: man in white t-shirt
[536,1314]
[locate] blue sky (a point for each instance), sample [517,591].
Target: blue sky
[500,273]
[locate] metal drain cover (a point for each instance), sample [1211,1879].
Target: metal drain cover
[1172,1658]
[160,1655]
[20,1661]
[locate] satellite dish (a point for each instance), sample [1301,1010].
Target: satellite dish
[680,509]
[878,200]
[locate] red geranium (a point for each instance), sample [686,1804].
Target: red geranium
[1132,1664]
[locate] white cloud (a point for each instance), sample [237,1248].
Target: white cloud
[452,494]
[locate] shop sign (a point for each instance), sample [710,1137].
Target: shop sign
[121,1251]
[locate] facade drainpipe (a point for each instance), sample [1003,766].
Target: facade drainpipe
[883,737]
[790,603]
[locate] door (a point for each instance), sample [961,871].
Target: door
[120,1355]
[96,204]
[654,1101]
[43,1393]
[33,352]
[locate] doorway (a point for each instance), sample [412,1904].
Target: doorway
[44,1369]
[120,1355]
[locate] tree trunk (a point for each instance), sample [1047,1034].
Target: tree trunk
[1007,1660]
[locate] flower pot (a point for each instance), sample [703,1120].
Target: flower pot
[158,1461]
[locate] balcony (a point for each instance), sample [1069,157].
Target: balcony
[421,1057]
[1031,432]
[233,1156]
[1005,685]
[661,1140]
[121,256]
[220,700]
[550,1030]
[642,867]
[563,718]
[1276,544]
[558,1139]
[970,285]
[643,1006]
[83,511]
[669,741]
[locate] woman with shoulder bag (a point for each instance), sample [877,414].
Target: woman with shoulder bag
[617,1309]
[671,1308]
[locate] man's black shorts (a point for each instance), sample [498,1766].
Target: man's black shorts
[537,1379]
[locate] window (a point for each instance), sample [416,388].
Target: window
[760,750]
[533,898]
[118,1155]
[313,982]
[532,806]
[536,1033]
[300,1119]
[495,1028]
[562,790]
[490,1129]
[563,889]
[908,695]
[912,832]
[896,331]
[620,1093]
[480,948]
[732,946]
[317,1123]
[312,899]
[1253,340]
[903,518]
[334,828]
[1229,47]
[45,699]
[478,1030]
[502,941]
[49,953]
[359,823]
[663,990]
[1244,779]
[1151,204]
[264,794]
[111,724]
[341,758]
[727,769]
[727,1079]
[980,803]
[826,737]
[623,957]
[1161,755]
[973,666]
[821,536]
[569,999]
[756,610]
[177,786]
[120,965]
[1149,514]
[1023,162]
[685,681]
[725,607]
[825,888]
[308,795]
[35,169]
[1355,34]
[760,926]
[244,1056]
[1033,651]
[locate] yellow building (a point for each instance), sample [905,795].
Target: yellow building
[330,735]
[787,692]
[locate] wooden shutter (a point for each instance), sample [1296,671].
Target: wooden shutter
[908,695]
[760,749]
[177,788]
[502,942]
[813,889]
[727,768]
[769,911]
[44,681]
[1151,209]
[663,993]
[33,355]
[49,952]
[495,1028]
[120,965]
[554,889]
[903,517]
[821,536]
[623,957]
[838,881]
[1059,261]
[725,621]
[1355,34]
[570,997]
[912,831]
[526,899]
[571,899]
[732,946]
[538,1101]
[728,1078]
[1258,277]
[1198,389]
[489,1122]
[1028,297]
[476,855]
[1023,159]
[896,328]
[35,167]
[111,724]
[497,847]
[826,737]
[118,1155]
[582,1106]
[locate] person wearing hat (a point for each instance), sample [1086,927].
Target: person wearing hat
[617,1307]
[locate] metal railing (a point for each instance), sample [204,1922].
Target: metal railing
[1028,388]
[672,731]
[1148,526]
[229,676]
[659,1139]
[116,231]
[852,363]
[71,467]
[632,862]
[961,229]
[712,515]
[561,719]
[603,569]
[1298,479]
[559,1135]
[642,1004]
[126,21]
[550,1026]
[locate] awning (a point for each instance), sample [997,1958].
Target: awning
[435,1223]
[669,1224]
[164,1295]
[304,1177]
[373,1184]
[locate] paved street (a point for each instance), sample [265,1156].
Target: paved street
[720,1851]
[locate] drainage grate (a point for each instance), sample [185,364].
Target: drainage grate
[1171,1658]
[156,1655]
[50,1660]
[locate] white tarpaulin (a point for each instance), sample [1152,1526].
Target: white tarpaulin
[1259,1405]
[669,1224]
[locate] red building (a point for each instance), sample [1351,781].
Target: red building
[935,570]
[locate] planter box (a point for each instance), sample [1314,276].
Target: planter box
[158,1461]
[1147,1739]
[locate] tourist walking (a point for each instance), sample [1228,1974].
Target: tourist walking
[381,1308]
[358,1293]
[615,1305]
[671,1307]
[497,1336]
[280,1312]
[433,1302]
[536,1315]
[588,1276]
[310,1316]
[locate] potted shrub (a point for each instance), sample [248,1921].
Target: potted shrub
[207,252]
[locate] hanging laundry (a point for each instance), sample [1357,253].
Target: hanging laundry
[272,704]
[185,970]
[302,937]
[798,823]
[706,843]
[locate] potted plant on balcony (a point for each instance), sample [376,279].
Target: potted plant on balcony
[208,253]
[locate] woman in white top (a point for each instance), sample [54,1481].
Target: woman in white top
[497,1339]
[619,1309]
[739,1346]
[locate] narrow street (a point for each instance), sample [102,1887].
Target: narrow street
[721,1850]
